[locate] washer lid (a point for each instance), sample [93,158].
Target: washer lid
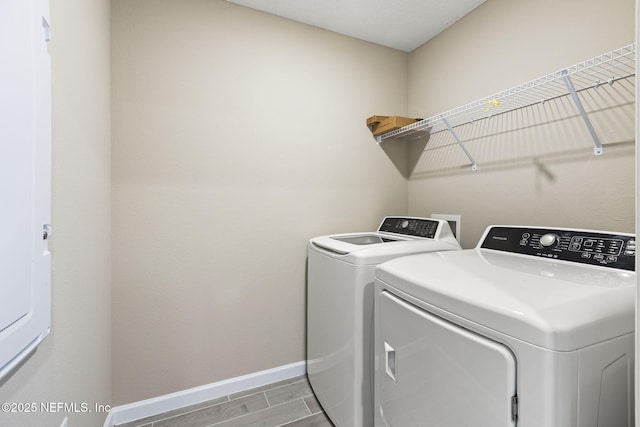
[396,236]
[347,248]
[555,305]
[364,239]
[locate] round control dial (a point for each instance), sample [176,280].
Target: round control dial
[405,224]
[548,240]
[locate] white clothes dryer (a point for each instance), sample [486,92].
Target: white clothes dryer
[532,328]
[340,309]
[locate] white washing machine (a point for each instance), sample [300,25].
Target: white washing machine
[532,328]
[340,309]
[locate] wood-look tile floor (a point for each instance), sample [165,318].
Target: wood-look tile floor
[288,403]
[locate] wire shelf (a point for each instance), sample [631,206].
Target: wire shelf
[600,70]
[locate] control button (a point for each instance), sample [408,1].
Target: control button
[523,242]
[630,252]
[586,255]
[548,240]
[526,235]
[611,258]
[404,224]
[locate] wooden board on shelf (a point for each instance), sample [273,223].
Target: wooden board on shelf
[384,124]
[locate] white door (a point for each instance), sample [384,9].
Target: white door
[437,374]
[25,159]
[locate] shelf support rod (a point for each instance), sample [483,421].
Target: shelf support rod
[597,150]
[457,138]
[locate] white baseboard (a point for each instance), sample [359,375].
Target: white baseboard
[169,402]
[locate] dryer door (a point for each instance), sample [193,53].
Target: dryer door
[435,373]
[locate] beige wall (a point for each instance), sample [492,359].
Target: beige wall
[218,182]
[545,173]
[237,136]
[73,364]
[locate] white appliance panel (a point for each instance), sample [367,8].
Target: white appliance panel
[561,301]
[25,179]
[439,374]
[340,299]
[338,342]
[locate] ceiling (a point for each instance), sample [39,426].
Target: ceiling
[398,24]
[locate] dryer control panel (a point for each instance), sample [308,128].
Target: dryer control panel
[418,227]
[581,246]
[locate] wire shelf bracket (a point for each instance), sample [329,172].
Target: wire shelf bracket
[474,166]
[597,149]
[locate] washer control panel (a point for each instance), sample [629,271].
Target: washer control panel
[581,246]
[419,227]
